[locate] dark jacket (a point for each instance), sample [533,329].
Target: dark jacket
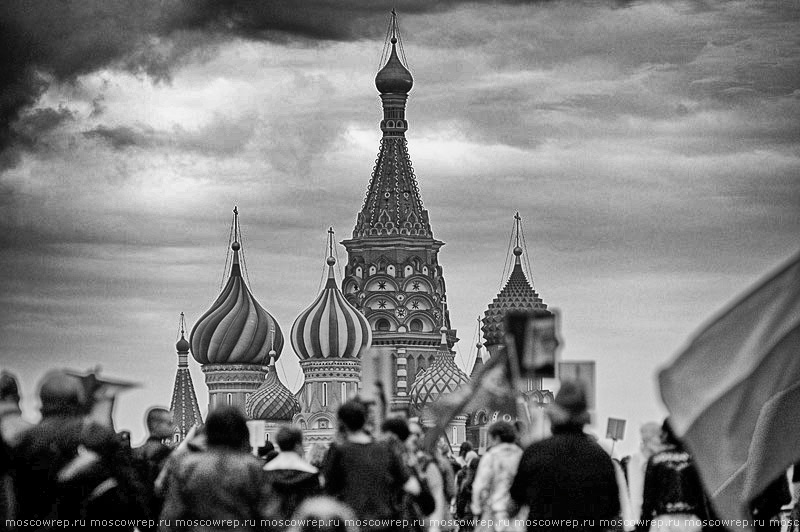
[215,485]
[569,477]
[289,480]
[149,459]
[368,477]
[53,482]
[671,486]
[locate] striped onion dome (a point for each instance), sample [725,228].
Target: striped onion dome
[272,400]
[331,327]
[441,378]
[236,329]
[517,296]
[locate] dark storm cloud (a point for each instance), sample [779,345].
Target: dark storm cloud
[43,41]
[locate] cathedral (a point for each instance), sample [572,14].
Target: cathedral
[393,299]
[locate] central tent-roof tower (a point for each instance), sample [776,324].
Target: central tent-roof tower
[393,274]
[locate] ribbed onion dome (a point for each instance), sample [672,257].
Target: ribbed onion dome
[394,77]
[236,329]
[517,295]
[272,400]
[331,327]
[441,378]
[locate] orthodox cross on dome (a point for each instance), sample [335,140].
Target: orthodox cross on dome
[330,261]
[237,262]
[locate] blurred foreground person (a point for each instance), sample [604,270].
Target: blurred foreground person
[151,456]
[290,479]
[766,508]
[496,472]
[224,482]
[11,423]
[637,465]
[567,476]
[464,481]
[673,498]
[68,467]
[323,514]
[367,475]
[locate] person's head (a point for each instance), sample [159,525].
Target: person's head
[568,409]
[323,514]
[397,426]
[472,458]
[290,439]
[61,394]
[444,448]
[9,390]
[415,436]
[464,449]
[502,432]
[668,436]
[650,433]
[226,427]
[159,422]
[352,415]
[316,454]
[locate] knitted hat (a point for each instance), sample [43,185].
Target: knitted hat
[61,394]
[569,406]
[8,386]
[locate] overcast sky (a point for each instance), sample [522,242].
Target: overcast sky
[651,148]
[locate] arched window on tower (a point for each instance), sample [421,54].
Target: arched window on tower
[344,392]
[230,399]
[416,325]
[324,394]
[382,325]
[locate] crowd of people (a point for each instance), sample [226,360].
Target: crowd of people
[72,470]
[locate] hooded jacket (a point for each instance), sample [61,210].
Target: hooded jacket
[290,480]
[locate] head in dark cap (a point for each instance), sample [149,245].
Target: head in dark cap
[569,406]
[397,426]
[9,390]
[61,394]
[226,426]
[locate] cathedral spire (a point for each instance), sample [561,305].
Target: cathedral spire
[184,407]
[393,205]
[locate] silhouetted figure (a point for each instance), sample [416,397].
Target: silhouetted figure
[151,456]
[366,475]
[673,493]
[290,479]
[68,467]
[568,476]
[496,472]
[11,423]
[224,482]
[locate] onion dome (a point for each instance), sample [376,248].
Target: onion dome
[394,77]
[183,345]
[517,296]
[272,400]
[441,378]
[331,327]
[236,329]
